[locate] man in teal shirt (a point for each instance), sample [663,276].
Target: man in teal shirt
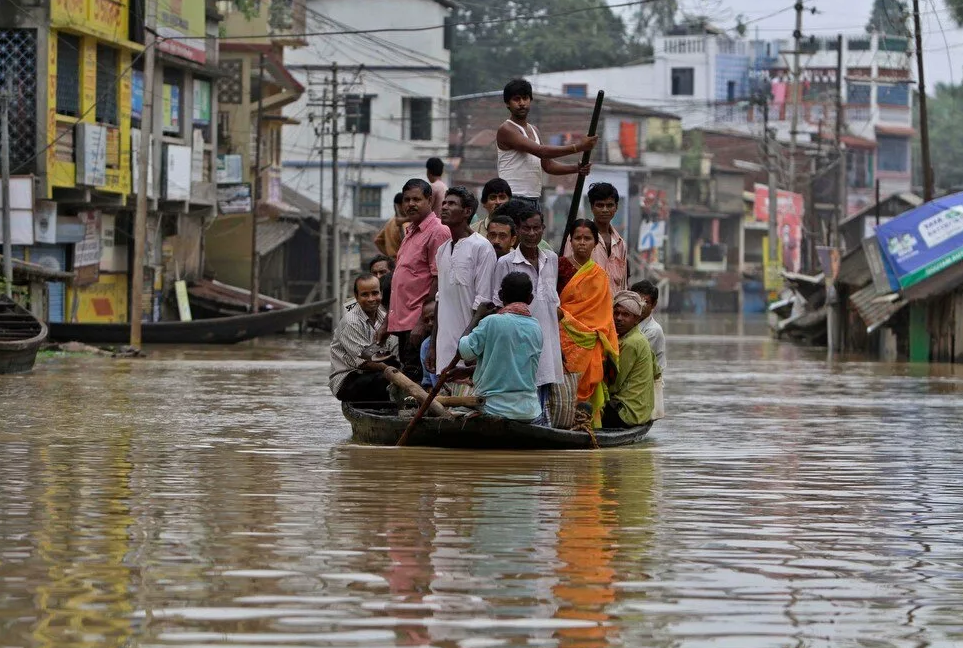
[507,346]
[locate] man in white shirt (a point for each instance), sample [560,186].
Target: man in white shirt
[541,266]
[465,266]
[651,329]
[351,378]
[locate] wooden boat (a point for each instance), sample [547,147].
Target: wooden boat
[21,335]
[381,424]
[221,330]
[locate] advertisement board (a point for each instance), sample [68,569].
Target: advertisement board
[235,199]
[172,108]
[789,218]
[177,172]
[21,211]
[230,169]
[202,102]
[180,26]
[924,241]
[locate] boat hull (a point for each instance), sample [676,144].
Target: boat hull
[21,335]
[222,330]
[379,424]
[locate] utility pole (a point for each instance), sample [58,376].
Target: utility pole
[255,258]
[322,218]
[841,152]
[773,190]
[143,167]
[794,123]
[5,98]
[335,217]
[924,123]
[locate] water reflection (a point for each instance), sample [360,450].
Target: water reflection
[209,498]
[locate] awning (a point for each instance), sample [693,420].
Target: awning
[875,309]
[25,271]
[273,234]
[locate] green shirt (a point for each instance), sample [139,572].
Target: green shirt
[633,391]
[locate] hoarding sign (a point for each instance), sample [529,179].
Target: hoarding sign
[180,25]
[87,252]
[202,102]
[21,211]
[172,109]
[883,278]
[91,154]
[45,222]
[137,94]
[230,169]
[177,172]
[789,217]
[923,241]
[235,199]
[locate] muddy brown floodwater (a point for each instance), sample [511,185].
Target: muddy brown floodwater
[212,497]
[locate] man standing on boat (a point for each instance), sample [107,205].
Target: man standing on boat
[521,156]
[415,279]
[465,266]
[541,267]
[507,347]
[352,378]
[632,393]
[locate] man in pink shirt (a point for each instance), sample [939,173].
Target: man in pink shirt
[435,168]
[415,279]
[611,251]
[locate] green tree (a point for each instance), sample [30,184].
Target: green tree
[945,110]
[648,21]
[542,36]
[956,9]
[888,17]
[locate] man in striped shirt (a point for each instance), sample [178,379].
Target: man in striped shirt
[353,378]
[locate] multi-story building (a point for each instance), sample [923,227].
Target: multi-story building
[393,115]
[694,68]
[75,128]
[252,78]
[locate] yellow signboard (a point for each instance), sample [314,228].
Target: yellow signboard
[772,280]
[104,301]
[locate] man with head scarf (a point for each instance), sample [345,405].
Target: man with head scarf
[632,393]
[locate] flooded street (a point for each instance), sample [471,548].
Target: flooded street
[212,497]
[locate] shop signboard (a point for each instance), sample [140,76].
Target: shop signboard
[180,27]
[923,241]
[789,218]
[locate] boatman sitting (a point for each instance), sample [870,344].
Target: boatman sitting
[507,347]
[353,378]
[632,394]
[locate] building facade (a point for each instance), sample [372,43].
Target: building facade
[394,91]
[76,130]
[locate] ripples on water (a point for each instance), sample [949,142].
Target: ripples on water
[210,498]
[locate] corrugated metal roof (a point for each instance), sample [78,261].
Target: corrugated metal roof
[875,310]
[273,234]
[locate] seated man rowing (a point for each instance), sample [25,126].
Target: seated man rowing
[507,347]
[353,378]
[632,394]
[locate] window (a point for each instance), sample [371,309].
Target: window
[68,75]
[107,85]
[893,95]
[367,202]
[416,118]
[449,33]
[357,117]
[575,90]
[730,91]
[859,169]
[893,153]
[858,93]
[683,81]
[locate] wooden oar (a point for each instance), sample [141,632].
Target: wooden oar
[443,376]
[580,180]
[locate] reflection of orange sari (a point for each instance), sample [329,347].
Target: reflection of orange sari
[588,331]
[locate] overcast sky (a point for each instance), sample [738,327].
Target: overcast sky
[846,16]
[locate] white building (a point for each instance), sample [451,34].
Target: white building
[397,86]
[693,70]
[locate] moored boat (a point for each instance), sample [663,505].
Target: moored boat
[383,424]
[221,330]
[21,335]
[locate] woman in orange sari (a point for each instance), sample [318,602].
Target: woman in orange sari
[590,344]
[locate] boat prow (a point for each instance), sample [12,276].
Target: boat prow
[383,424]
[21,335]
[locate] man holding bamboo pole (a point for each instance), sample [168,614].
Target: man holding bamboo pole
[521,155]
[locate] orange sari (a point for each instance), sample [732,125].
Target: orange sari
[588,333]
